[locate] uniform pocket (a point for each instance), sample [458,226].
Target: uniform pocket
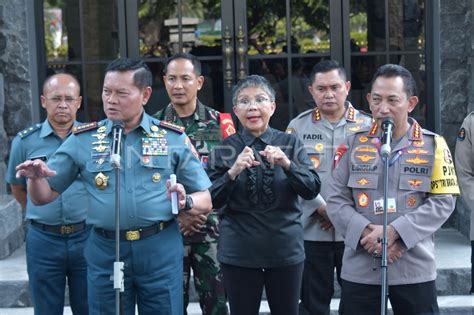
[101,175]
[155,170]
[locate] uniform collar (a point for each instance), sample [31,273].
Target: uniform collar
[414,133]
[200,113]
[47,130]
[350,114]
[249,139]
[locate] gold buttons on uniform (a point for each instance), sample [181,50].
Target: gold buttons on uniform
[156,177]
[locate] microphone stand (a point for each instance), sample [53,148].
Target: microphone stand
[115,161]
[384,263]
[385,151]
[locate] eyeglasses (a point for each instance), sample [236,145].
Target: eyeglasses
[58,100]
[259,101]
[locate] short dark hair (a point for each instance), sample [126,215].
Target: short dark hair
[52,76]
[325,66]
[393,70]
[193,59]
[142,77]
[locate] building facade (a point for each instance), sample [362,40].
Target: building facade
[280,40]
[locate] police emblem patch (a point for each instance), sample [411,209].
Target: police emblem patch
[363,200]
[411,201]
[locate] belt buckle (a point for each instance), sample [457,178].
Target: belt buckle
[132,235]
[67,229]
[162,226]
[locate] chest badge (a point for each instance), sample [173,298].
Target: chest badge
[319,147]
[101,181]
[363,181]
[316,161]
[415,183]
[365,157]
[417,160]
[363,200]
[411,201]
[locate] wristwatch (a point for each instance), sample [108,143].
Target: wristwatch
[189,203]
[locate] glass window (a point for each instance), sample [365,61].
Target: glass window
[62,30]
[310,26]
[266,23]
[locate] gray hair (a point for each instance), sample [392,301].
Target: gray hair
[253,81]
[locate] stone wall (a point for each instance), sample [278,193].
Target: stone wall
[15,110]
[14,65]
[456,97]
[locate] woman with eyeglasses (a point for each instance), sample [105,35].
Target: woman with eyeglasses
[257,175]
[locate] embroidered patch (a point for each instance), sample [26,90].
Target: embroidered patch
[363,181]
[365,157]
[411,201]
[316,162]
[363,200]
[417,160]
[415,183]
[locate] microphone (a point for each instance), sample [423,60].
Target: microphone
[387,128]
[117,130]
[340,151]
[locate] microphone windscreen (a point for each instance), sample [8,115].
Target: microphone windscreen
[117,124]
[388,122]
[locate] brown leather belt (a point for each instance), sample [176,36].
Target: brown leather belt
[60,229]
[135,235]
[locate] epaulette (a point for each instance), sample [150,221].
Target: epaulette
[28,131]
[428,132]
[305,113]
[169,125]
[84,127]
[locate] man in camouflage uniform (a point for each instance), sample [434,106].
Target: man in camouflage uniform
[322,129]
[205,127]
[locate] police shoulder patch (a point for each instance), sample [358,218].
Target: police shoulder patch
[84,127]
[171,126]
[28,131]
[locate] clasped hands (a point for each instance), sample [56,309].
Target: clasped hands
[247,159]
[371,242]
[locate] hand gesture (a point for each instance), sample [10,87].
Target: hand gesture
[33,170]
[275,155]
[246,159]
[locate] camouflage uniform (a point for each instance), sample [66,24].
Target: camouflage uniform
[200,249]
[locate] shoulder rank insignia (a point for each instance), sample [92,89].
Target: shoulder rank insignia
[316,115]
[28,131]
[84,127]
[169,125]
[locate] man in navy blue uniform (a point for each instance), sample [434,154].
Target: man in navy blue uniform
[150,244]
[57,232]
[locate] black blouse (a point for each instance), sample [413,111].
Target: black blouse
[261,223]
